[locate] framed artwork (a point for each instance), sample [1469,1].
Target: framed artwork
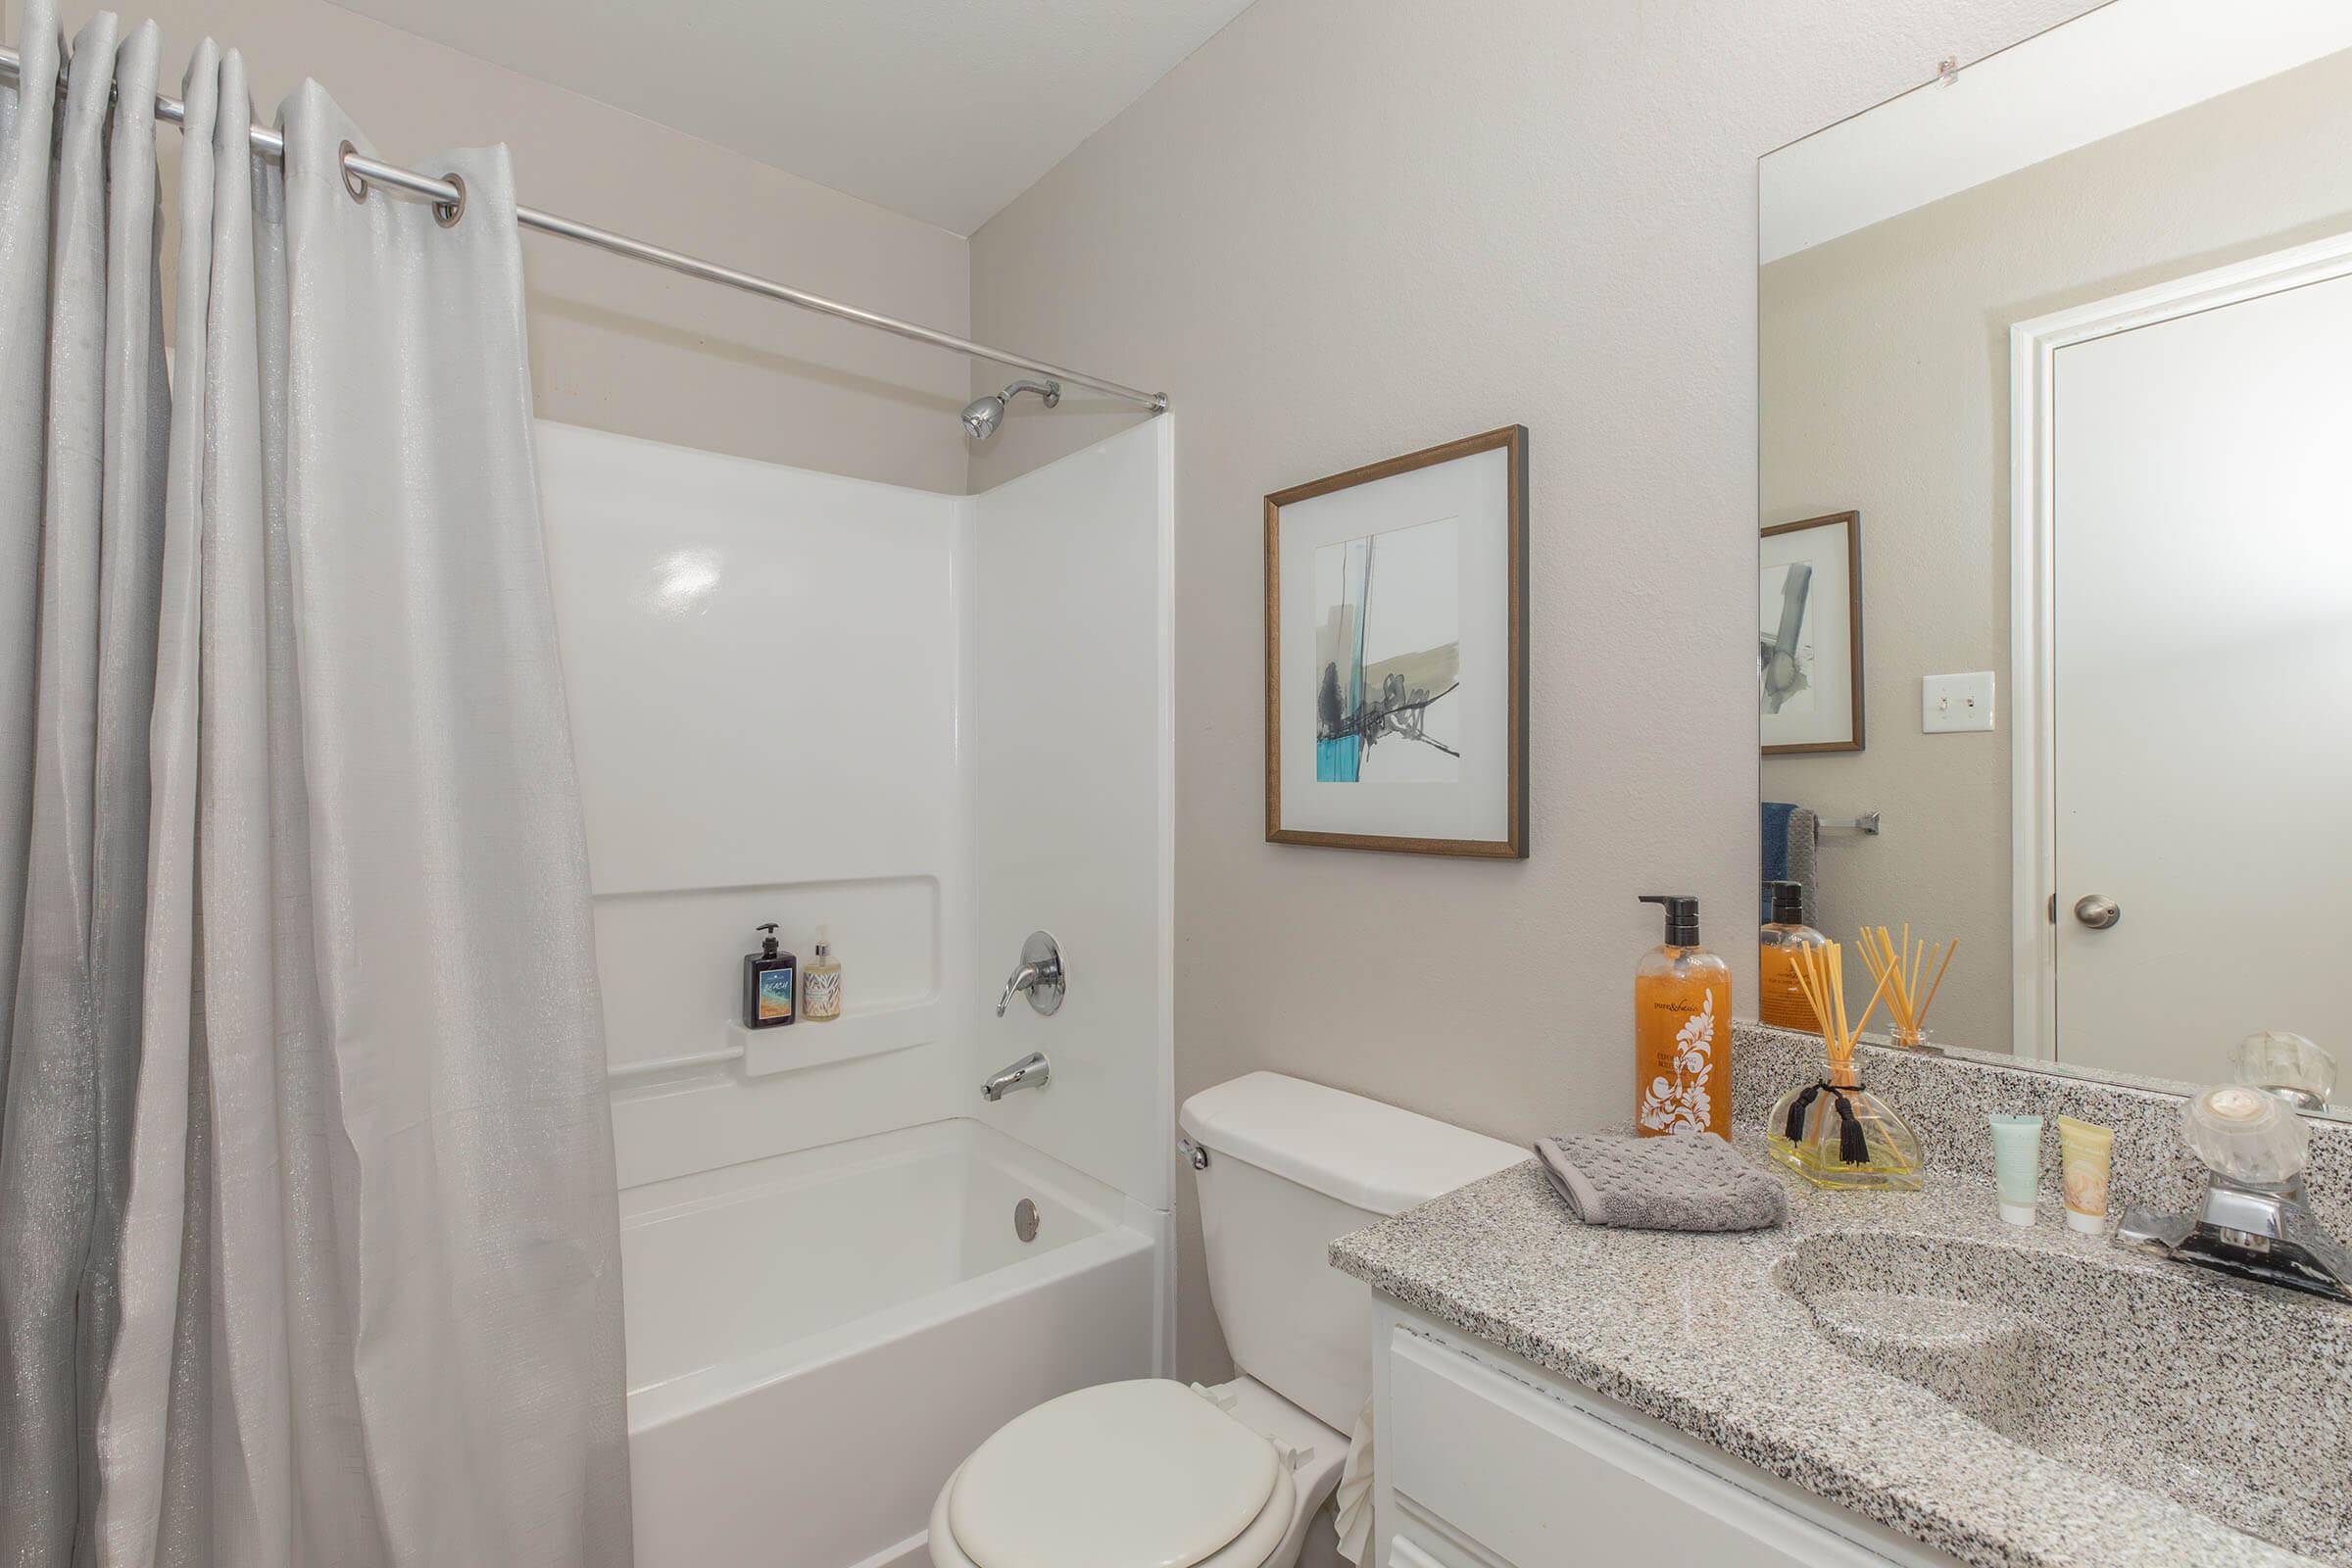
[1397,653]
[1809,635]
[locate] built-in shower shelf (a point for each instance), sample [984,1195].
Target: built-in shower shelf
[873,1031]
[859,1032]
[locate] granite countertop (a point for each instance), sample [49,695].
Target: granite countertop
[1697,1330]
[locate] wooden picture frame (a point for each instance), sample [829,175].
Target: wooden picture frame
[1459,516]
[1835,721]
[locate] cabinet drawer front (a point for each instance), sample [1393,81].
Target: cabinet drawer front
[1539,1482]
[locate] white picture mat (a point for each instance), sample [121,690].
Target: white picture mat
[1476,490]
[1829,630]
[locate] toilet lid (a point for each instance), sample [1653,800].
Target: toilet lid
[1146,1474]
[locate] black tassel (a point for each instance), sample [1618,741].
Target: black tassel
[1852,1148]
[1796,1112]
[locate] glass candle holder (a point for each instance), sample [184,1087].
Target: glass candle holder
[1835,1133]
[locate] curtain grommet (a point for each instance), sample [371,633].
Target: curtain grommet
[447,214]
[352,184]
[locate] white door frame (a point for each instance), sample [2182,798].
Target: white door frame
[2034,347]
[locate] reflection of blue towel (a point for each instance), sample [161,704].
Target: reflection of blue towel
[1776,845]
[1790,833]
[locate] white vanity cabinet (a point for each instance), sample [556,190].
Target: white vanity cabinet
[1486,1461]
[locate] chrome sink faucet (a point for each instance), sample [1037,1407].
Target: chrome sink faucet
[2255,1218]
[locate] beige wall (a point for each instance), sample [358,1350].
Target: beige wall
[1884,368]
[620,346]
[1346,229]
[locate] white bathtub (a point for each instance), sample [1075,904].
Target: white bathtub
[816,1339]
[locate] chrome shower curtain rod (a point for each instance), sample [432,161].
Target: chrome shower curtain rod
[442,193]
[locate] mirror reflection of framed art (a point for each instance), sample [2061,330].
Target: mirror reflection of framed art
[1809,635]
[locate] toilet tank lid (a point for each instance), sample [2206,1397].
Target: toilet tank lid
[1371,1156]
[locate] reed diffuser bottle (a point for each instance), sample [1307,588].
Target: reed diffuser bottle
[1833,1132]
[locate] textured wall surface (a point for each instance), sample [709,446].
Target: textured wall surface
[618,345]
[1884,368]
[1346,229]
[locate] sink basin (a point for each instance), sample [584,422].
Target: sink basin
[2233,1400]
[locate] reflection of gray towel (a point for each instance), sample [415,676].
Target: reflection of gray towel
[1792,854]
[1684,1182]
[1804,857]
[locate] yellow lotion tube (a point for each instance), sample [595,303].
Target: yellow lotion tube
[2086,1149]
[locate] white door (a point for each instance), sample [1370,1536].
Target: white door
[2201,647]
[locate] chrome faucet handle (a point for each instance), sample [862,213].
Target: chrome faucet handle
[1039,975]
[1022,979]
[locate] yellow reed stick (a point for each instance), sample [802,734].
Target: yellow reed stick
[1871,959]
[1879,958]
[1809,980]
[1872,1005]
[1801,966]
[1939,985]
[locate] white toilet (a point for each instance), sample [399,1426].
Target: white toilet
[1156,1474]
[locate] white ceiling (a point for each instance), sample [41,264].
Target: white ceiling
[945,110]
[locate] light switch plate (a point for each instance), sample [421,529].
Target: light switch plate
[1950,704]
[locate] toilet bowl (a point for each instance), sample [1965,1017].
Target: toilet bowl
[1157,1472]
[1151,1471]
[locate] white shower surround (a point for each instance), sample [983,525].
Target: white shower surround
[931,722]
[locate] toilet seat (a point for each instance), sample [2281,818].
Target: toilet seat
[1145,1472]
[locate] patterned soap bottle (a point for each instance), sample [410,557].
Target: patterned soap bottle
[821,983]
[1681,1030]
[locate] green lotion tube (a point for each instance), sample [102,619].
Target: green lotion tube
[2017,1165]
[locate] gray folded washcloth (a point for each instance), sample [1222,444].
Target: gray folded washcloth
[1687,1181]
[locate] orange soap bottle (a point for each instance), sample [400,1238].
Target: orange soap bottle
[1779,997]
[1681,1030]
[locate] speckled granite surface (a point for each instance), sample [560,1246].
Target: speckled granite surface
[1805,1351]
[1946,1098]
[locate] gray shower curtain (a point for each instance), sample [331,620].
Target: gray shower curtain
[309,1246]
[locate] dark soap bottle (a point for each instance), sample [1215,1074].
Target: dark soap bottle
[767,984]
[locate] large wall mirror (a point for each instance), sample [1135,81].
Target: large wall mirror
[2055,534]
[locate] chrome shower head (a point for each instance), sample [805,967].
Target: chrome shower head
[982,416]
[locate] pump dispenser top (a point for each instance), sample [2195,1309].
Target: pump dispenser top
[1681,918]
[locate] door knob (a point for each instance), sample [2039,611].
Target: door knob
[2097,910]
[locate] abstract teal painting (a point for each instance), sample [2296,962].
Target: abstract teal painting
[1387,657]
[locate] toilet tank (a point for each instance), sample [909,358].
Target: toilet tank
[1292,1168]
